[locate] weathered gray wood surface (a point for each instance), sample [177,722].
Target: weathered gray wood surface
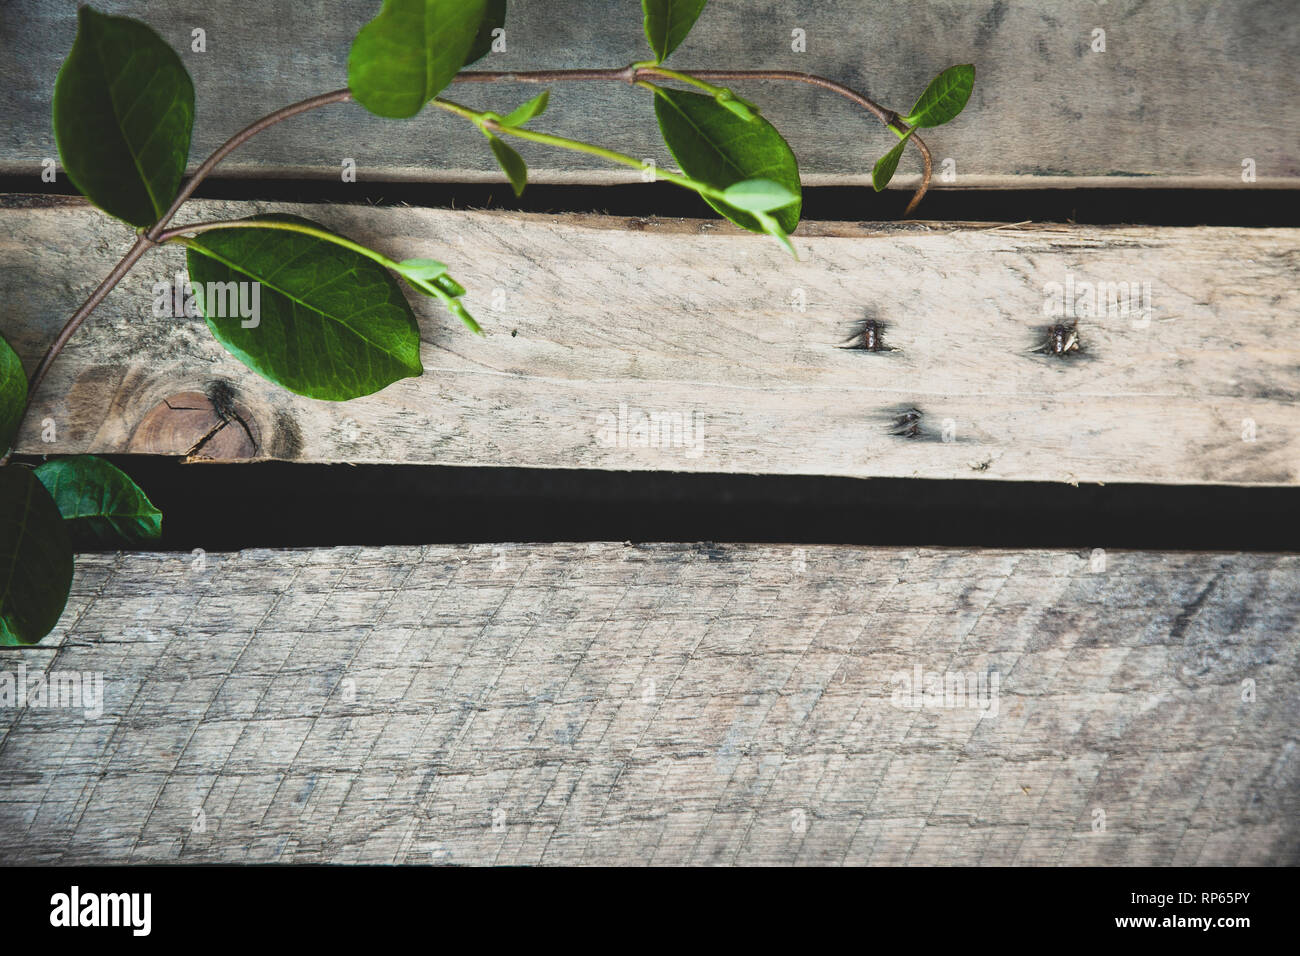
[664,704]
[595,325]
[1185,91]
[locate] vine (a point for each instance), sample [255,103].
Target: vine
[333,322]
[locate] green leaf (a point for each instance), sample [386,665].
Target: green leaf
[667,22]
[494,17]
[123,111]
[717,147]
[13,394]
[450,286]
[944,98]
[35,559]
[758,195]
[426,269]
[332,324]
[457,308]
[885,165]
[773,228]
[512,163]
[403,58]
[100,504]
[530,110]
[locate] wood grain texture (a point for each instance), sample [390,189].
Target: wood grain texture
[680,346]
[1186,90]
[664,704]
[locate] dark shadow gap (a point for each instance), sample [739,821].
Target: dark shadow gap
[1119,206]
[221,507]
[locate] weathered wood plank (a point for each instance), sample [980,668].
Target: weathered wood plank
[1185,91]
[665,704]
[596,326]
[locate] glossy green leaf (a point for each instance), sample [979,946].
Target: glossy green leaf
[35,558]
[332,324]
[885,165]
[524,112]
[123,111]
[13,394]
[403,58]
[944,98]
[667,22]
[717,147]
[494,17]
[758,195]
[511,163]
[100,504]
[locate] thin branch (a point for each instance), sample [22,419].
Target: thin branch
[631,74]
[141,246]
[624,74]
[562,142]
[197,228]
[232,144]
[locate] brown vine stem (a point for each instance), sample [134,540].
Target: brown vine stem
[239,139]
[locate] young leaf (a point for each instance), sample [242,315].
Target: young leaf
[773,228]
[944,98]
[35,559]
[531,110]
[13,394]
[426,269]
[885,165]
[449,285]
[511,163]
[429,277]
[494,17]
[123,111]
[101,505]
[331,323]
[758,195]
[667,22]
[739,107]
[717,147]
[457,308]
[403,58]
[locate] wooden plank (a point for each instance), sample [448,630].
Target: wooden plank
[1185,91]
[665,704]
[645,345]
